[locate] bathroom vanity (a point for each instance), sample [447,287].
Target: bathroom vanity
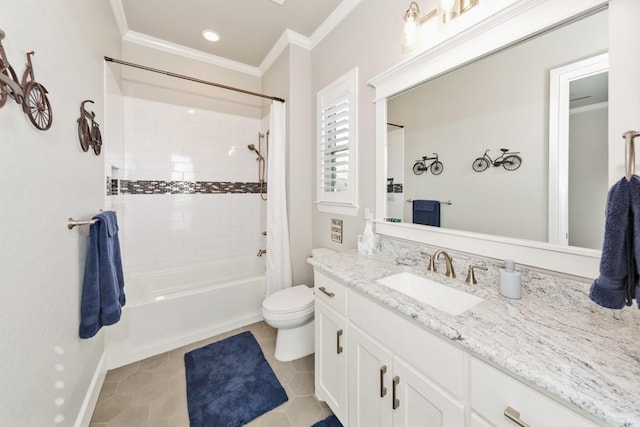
[553,358]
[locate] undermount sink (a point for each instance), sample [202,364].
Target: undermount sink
[441,297]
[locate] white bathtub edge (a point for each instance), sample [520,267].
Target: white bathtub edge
[117,357]
[91,397]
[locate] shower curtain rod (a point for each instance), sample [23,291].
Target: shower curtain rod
[192,79]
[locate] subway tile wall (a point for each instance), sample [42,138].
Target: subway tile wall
[183,146]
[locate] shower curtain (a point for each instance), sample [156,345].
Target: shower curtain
[278,275]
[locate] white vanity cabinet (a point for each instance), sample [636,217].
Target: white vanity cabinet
[493,393]
[399,374]
[331,345]
[376,368]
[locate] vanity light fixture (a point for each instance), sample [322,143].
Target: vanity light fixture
[210,35]
[446,12]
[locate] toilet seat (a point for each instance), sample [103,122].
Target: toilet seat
[295,299]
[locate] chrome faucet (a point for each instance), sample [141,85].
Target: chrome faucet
[447,260]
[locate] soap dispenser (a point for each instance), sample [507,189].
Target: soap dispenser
[510,281]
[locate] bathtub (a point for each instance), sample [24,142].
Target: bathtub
[171,308]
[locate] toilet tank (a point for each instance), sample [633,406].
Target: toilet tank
[321,252]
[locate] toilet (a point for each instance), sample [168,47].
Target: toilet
[290,311]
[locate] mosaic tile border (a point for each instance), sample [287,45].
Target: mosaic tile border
[181,187]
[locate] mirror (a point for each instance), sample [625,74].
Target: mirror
[499,101]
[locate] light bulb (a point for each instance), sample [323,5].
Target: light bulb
[447,5]
[410,32]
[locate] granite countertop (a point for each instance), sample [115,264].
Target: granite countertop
[554,337]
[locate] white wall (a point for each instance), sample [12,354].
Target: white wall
[47,179]
[498,102]
[167,142]
[370,38]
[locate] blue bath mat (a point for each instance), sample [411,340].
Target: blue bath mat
[330,421]
[229,383]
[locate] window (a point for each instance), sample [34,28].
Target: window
[337,146]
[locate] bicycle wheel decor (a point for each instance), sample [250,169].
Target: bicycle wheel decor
[36,106]
[437,168]
[480,164]
[418,168]
[96,136]
[512,162]
[4,90]
[84,134]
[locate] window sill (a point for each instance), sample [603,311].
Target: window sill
[337,208]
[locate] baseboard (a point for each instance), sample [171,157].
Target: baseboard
[118,357]
[91,397]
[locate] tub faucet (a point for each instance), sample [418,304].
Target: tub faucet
[447,260]
[261,252]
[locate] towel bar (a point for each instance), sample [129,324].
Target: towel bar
[71,223]
[75,222]
[630,153]
[448,202]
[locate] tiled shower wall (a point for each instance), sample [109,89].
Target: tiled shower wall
[188,186]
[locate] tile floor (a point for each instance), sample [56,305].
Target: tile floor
[152,392]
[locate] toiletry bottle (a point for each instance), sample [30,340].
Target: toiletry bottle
[510,281]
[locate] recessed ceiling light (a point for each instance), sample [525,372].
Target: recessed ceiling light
[210,35]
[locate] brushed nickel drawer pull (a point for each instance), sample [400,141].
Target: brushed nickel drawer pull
[327,293]
[338,335]
[514,416]
[394,399]
[383,389]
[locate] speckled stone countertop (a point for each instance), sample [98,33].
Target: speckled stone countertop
[554,337]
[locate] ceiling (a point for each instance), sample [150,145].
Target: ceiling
[248,28]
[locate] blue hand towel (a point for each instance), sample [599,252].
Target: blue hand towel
[426,212]
[615,287]
[103,287]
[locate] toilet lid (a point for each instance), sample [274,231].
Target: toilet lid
[289,300]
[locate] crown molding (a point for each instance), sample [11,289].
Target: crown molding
[120,16]
[187,52]
[288,37]
[342,11]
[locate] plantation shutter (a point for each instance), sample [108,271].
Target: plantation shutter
[337,142]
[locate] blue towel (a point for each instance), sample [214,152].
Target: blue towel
[426,212]
[103,288]
[616,285]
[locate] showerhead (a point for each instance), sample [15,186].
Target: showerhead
[252,147]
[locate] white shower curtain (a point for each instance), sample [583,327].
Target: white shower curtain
[278,275]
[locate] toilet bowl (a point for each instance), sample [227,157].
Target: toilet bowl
[290,311]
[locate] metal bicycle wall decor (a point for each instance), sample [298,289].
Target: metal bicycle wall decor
[508,160]
[421,166]
[26,92]
[89,135]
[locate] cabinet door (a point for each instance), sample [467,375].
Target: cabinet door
[370,381]
[331,359]
[478,421]
[420,402]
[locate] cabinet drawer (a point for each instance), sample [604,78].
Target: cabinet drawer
[493,391]
[331,293]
